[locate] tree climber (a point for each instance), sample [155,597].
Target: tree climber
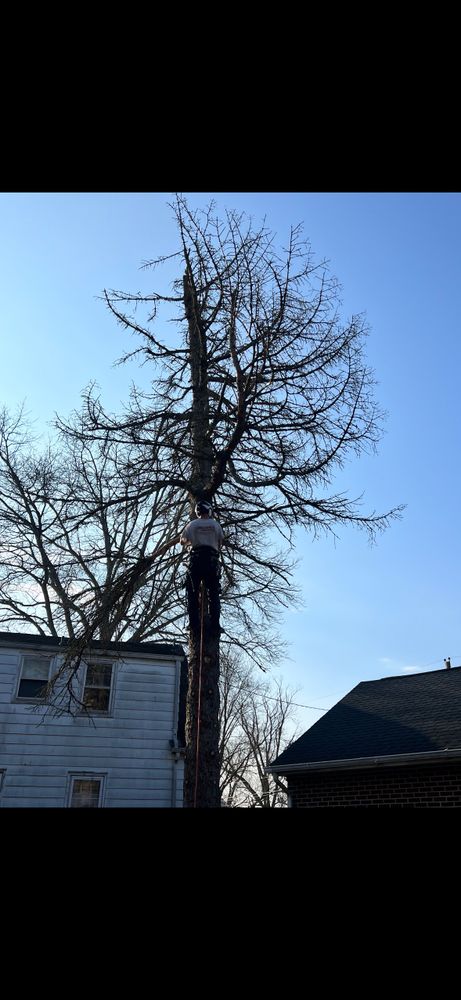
[205,536]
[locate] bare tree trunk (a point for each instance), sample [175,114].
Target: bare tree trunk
[201,770]
[265,792]
[201,773]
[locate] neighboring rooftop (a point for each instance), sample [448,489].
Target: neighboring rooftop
[417,713]
[30,638]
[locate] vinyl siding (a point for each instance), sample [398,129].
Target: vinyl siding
[130,746]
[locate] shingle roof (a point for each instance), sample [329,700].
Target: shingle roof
[162,648]
[418,713]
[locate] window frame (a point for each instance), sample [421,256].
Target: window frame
[74,776]
[95,661]
[29,699]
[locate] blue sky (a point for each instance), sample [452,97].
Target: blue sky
[368,612]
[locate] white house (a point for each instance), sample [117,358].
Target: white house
[126,754]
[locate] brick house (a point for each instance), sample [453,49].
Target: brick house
[394,742]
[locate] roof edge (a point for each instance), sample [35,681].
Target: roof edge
[149,646]
[362,762]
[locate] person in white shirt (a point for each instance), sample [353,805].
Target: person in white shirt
[205,536]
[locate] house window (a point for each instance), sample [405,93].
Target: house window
[35,671]
[86,791]
[98,687]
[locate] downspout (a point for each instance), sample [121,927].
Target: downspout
[174,782]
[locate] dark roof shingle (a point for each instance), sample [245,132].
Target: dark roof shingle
[418,713]
[162,648]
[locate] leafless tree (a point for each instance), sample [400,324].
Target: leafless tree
[256,403]
[65,546]
[74,520]
[257,719]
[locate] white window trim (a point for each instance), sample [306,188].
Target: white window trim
[96,661]
[36,656]
[73,776]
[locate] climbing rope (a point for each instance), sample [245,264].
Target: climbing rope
[202,605]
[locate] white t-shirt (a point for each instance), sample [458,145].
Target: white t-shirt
[203,531]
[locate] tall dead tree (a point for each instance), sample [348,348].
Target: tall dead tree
[259,400]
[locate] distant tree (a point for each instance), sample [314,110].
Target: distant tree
[255,406]
[257,719]
[65,546]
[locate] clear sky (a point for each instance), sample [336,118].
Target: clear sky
[368,612]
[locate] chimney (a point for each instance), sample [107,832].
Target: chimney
[448,663]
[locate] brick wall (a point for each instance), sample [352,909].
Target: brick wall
[419,786]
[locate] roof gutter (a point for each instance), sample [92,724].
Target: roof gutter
[101,649]
[391,760]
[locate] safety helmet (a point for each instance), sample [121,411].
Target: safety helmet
[202,507]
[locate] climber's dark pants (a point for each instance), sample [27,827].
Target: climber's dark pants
[203,565]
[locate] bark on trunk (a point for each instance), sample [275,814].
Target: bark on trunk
[202,452]
[201,773]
